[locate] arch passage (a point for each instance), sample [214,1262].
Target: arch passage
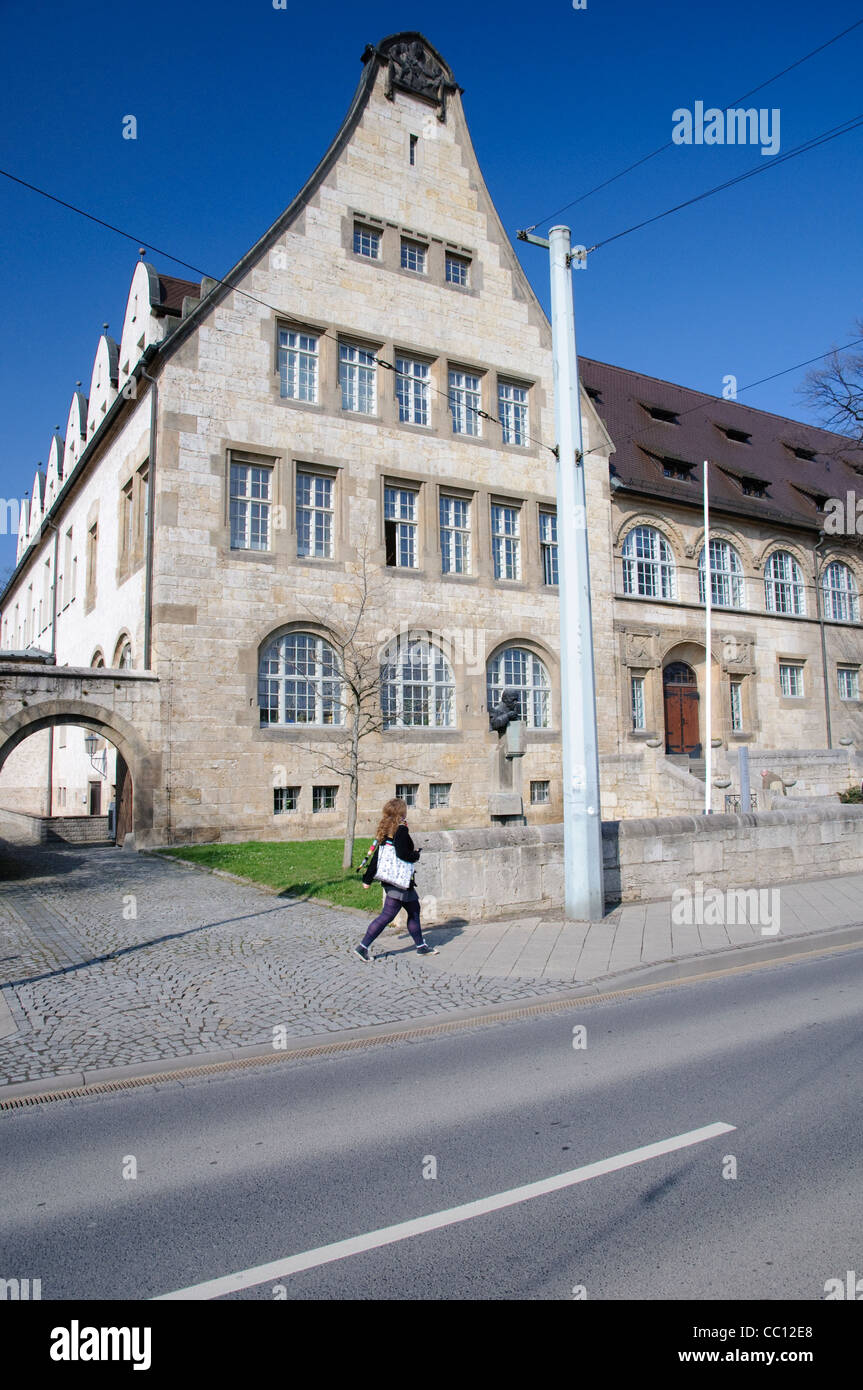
[680,692]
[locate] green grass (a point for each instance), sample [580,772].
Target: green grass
[302,868]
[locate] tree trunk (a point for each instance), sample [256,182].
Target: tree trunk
[353,779]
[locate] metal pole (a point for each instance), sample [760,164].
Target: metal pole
[708,692]
[582,820]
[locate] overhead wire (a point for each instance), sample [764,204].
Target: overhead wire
[669,143]
[282,313]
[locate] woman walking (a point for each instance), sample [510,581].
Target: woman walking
[393,830]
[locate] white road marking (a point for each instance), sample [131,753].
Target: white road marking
[388,1235]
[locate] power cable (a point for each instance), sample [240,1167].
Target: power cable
[669,143]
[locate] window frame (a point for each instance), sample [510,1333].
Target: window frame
[241,461]
[549,548]
[787,667]
[846,597]
[314,355]
[514,432]
[402,489]
[411,245]
[305,470]
[457,533]
[351,377]
[722,579]
[438,698]
[790,586]
[406,386]
[642,571]
[500,549]
[537,694]
[325,674]
[460,407]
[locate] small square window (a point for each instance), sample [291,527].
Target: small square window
[849,683]
[407,792]
[439,794]
[285,799]
[367,242]
[791,680]
[414,256]
[457,269]
[324,798]
[540,793]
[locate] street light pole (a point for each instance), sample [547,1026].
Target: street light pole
[582,820]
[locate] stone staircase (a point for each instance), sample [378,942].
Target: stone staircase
[696,767]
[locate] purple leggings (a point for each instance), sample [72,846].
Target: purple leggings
[391,908]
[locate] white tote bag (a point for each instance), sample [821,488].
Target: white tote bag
[391,869]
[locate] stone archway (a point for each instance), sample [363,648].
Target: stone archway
[140,767]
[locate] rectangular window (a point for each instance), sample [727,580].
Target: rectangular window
[324,798]
[540,793]
[250,506]
[439,794]
[465,401]
[412,390]
[357,378]
[849,683]
[505,541]
[285,799]
[414,256]
[455,535]
[736,706]
[141,503]
[414,141]
[92,554]
[407,792]
[791,680]
[548,546]
[68,572]
[637,702]
[512,412]
[314,515]
[298,365]
[401,509]
[127,523]
[367,242]
[456,269]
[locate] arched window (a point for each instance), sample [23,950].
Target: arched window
[299,681]
[840,593]
[726,573]
[417,686]
[783,584]
[97,659]
[648,565]
[522,671]
[123,655]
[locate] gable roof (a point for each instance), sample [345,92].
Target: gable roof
[641,443]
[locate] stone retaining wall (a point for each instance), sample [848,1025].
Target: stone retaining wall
[491,873]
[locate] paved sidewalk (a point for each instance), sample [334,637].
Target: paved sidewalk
[111,959]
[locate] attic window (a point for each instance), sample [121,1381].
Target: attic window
[753,487]
[736,436]
[658,412]
[673,468]
[593,394]
[808,455]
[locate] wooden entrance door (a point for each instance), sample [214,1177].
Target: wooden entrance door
[95,798]
[680,689]
[123,797]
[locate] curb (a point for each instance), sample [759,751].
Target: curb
[692,969]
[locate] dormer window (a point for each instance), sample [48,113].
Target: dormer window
[751,487]
[736,436]
[681,472]
[658,412]
[807,455]
[593,394]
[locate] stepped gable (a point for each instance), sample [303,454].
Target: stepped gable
[765,467]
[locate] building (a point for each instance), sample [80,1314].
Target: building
[355,428]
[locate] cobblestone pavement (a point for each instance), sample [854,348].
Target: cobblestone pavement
[109,958]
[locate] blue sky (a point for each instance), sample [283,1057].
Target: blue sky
[236,102]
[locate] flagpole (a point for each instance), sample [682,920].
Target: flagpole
[708,691]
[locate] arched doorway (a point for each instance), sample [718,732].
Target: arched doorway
[67,781]
[680,698]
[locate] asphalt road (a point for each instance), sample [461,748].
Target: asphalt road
[258,1166]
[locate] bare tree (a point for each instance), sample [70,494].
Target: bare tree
[362,650]
[835,389]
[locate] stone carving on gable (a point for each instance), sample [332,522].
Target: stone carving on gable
[639,648]
[411,67]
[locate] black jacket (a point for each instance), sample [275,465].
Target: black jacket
[404,848]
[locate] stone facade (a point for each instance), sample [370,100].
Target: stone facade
[135,549]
